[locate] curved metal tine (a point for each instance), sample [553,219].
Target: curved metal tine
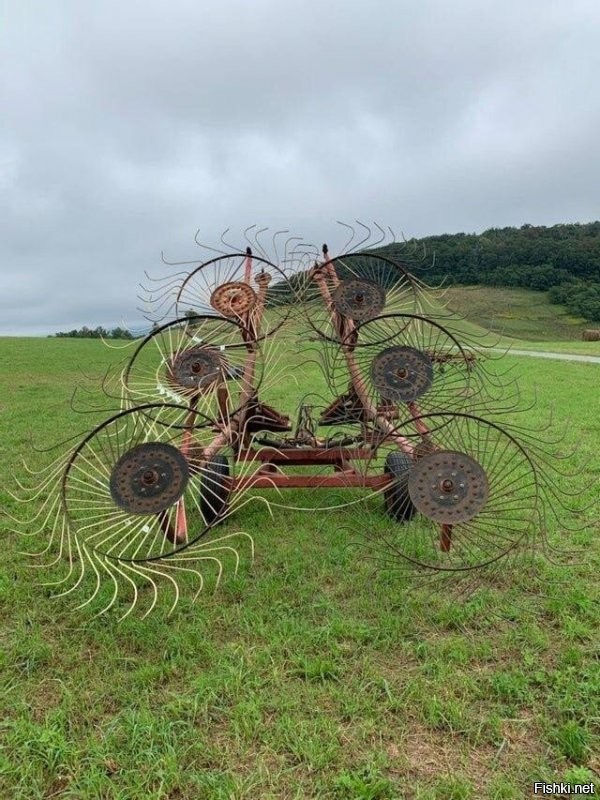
[249,228]
[366,238]
[259,246]
[557,490]
[48,510]
[56,529]
[149,308]
[272,376]
[551,491]
[82,409]
[206,246]
[162,572]
[381,239]
[67,546]
[307,248]
[52,447]
[110,346]
[273,355]
[232,247]
[153,318]
[199,553]
[94,594]
[44,479]
[165,278]
[399,247]
[227,549]
[155,315]
[149,573]
[177,263]
[137,570]
[58,460]
[286,255]
[154,294]
[302,259]
[160,292]
[344,249]
[121,398]
[92,378]
[108,567]
[166,290]
[274,243]
[542,447]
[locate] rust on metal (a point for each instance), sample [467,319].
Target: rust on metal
[149,478]
[358,299]
[233,299]
[402,374]
[262,417]
[307,456]
[196,367]
[448,487]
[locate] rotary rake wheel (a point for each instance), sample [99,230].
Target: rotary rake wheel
[137,501]
[466,492]
[133,488]
[402,366]
[210,363]
[352,289]
[242,287]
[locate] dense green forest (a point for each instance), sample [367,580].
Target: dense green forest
[563,260]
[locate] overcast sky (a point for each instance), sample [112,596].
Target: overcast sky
[125,126]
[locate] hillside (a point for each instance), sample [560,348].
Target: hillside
[564,259]
[521,314]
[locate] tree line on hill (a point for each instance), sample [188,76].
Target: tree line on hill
[563,260]
[95,333]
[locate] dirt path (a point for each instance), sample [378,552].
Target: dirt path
[543,354]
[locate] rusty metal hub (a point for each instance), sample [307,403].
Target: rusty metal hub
[448,486]
[402,374]
[358,299]
[233,299]
[196,367]
[149,478]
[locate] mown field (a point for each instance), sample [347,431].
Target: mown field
[313,673]
[521,315]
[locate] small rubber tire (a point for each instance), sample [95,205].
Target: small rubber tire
[398,504]
[214,489]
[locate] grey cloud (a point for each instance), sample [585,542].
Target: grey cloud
[127,126]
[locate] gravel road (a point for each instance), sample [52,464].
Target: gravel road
[543,354]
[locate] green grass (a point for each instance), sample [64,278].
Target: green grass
[310,675]
[522,317]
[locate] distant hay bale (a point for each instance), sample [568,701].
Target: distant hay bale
[591,335]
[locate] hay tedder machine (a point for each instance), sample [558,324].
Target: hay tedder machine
[402,419]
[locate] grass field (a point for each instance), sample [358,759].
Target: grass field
[522,317]
[312,674]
